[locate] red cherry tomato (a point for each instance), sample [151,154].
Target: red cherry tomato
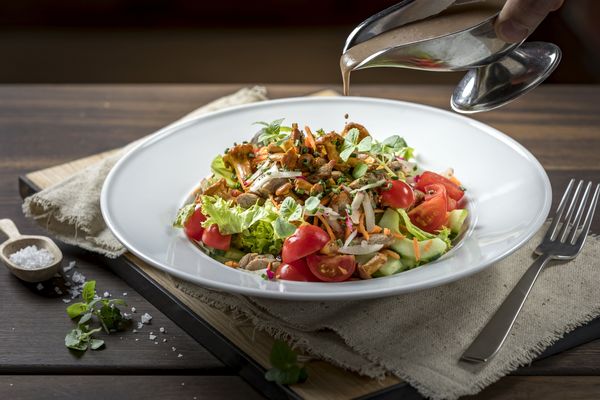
[428,178]
[398,195]
[213,238]
[440,190]
[193,226]
[295,271]
[331,268]
[306,240]
[432,213]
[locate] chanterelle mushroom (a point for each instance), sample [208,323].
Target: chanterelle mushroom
[237,158]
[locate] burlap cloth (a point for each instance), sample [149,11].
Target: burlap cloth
[417,337]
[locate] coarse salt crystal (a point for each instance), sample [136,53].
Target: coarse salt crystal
[152,337]
[140,325]
[173,349]
[78,277]
[162,329]
[132,309]
[146,318]
[66,301]
[164,340]
[124,293]
[57,290]
[179,355]
[106,294]
[39,286]
[69,267]
[31,257]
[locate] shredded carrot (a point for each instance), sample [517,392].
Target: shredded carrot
[232,264]
[273,201]
[361,226]
[398,235]
[427,245]
[327,227]
[392,254]
[315,221]
[376,229]
[310,139]
[416,249]
[387,232]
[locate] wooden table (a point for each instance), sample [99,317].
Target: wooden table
[41,126]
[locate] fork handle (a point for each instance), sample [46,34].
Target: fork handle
[493,335]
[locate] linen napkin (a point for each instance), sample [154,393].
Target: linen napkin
[418,337]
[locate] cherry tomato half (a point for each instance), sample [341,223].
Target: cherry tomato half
[295,271]
[306,240]
[432,213]
[193,226]
[438,189]
[398,194]
[213,238]
[331,268]
[428,178]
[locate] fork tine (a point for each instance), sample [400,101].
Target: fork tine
[559,211]
[567,222]
[588,218]
[579,214]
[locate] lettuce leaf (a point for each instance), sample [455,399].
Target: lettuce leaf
[420,234]
[220,170]
[230,219]
[183,214]
[259,238]
[412,229]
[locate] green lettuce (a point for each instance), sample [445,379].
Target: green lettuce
[259,238]
[220,170]
[420,234]
[229,218]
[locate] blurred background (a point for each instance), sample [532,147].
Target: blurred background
[260,41]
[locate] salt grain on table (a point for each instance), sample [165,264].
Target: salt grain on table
[31,257]
[39,286]
[146,318]
[69,267]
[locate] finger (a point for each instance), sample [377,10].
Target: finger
[519,18]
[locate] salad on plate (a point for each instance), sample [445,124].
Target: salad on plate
[322,206]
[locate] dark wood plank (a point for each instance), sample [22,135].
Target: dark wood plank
[35,324]
[542,387]
[103,387]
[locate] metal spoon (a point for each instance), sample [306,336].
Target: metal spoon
[16,242]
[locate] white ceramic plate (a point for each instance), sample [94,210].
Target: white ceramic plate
[508,191]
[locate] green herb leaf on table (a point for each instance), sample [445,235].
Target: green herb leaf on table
[108,315]
[285,368]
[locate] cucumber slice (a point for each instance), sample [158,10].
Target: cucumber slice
[429,249]
[390,220]
[391,267]
[456,220]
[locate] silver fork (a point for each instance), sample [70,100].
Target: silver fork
[564,245]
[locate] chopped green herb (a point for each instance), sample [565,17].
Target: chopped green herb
[285,367]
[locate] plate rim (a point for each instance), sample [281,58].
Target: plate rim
[337,295]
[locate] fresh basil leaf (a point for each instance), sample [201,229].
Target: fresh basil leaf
[360,170]
[75,340]
[76,309]
[311,205]
[95,344]
[347,152]
[183,214]
[283,229]
[290,210]
[282,356]
[89,291]
[352,136]
[365,144]
[85,318]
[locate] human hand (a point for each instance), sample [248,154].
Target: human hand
[519,18]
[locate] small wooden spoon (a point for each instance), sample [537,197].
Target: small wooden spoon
[16,242]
